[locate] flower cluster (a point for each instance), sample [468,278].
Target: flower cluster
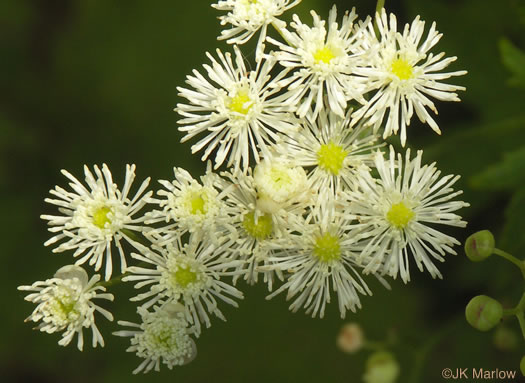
[310,201]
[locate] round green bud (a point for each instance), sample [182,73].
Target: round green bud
[479,245]
[483,313]
[381,367]
[522,365]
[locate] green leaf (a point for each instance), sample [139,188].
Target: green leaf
[514,60]
[509,173]
[512,238]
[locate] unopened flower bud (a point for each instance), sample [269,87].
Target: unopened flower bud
[483,312]
[505,339]
[350,338]
[479,245]
[381,367]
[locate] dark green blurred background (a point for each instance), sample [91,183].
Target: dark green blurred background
[93,81]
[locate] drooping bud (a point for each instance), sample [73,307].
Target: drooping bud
[350,338]
[381,367]
[479,245]
[483,312]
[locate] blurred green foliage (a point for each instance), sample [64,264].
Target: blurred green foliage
[92,81]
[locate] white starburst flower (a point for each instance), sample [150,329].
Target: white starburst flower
[96,216]
[162,337]
[235,107]
[325,57]
[278,183]
[330,150]
[65,304]
[248,16]
[187,206]
[401,208]
[321,258]
[404,73]
[250,227]
[190,274]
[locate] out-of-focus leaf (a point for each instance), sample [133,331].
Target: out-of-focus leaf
[512,238]
[514,60]
[509,173]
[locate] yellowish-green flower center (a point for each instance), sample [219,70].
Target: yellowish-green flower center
[165,339]
[280,177]
[327,248]
[184,276]
[260,230]
[239,102]
[198,204]
[399,215]
[402,69]
[100,217]
[324,54]
[330,157]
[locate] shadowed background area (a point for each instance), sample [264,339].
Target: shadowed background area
[92,82]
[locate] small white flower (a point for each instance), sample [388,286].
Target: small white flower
[325,58]
[95,217]
[400,209]
[162,337]
[404,74]
[330,149]
[248,16]
[64,304]
[190,274]
[235,108]
[252,224]
[321,257]
[278,183]
[187,206]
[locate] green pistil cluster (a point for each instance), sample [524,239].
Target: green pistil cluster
[327,248]
[237,103]
[402,69]
[260,230]
[399,215]
[330,157]
[184,276]
[198,204]
[100,217]
[324,54]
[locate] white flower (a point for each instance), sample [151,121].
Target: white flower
[331,150]
[191,274]
[235,109]
[64,304]
[278,183]
[321,257]
[162,337]
[400,209]
[404,73]
[252,224]
[248,16]
[325,60]
[187,206]
[95,217]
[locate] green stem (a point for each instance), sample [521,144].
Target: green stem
[113,281]
[511,258]
[521,319]
[423,352]
[136,237]
[380,5]
[519,312]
